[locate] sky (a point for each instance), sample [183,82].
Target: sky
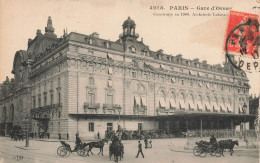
[192,36]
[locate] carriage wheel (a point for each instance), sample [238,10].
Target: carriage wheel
[218,152]
[203,153]
[85,153]
[81,152]
[62,151]
[196,151]
[211,151]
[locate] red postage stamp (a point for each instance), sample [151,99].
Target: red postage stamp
[242,37]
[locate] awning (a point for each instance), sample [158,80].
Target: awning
[110,70]
[162,102]
[228,108]
[110,83]
[216,107]
[182,104]
[162,67]
[191,105]
[137,100]
[173,80]
[215,86]
[207,85]
[110,56]
[143,99]
[172,103]
[199,74]
[208,106]
[192,72]
[222,107]
[200,105]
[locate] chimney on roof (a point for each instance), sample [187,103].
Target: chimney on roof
[38,32]
[95,34]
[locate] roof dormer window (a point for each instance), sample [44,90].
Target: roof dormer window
[132,49]
[89,40]
[107,44]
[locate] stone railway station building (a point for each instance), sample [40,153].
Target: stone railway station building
[83,83]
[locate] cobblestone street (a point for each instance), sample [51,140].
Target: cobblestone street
[164,151]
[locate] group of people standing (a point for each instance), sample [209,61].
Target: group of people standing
[40,135]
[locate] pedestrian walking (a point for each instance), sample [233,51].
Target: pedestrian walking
[59,136]
[98,135]
[139,149]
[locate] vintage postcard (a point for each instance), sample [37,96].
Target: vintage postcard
[158,81]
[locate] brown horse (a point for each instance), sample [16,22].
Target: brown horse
[98,144]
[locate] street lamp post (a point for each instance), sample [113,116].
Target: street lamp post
[244,107]
[119,127]
[27,128]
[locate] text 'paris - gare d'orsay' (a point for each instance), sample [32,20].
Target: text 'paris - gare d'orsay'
[86,84]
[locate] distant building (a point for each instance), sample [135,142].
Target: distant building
[82,83]
[253,109]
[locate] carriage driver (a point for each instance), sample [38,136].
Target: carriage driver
[213,140]
[78,142]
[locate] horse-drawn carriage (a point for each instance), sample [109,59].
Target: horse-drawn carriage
[82,150]
[17,135]
[203,148]
[216,149]
[65,150]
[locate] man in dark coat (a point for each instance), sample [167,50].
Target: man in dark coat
[139,149]
[78,143]
[213,140]
[145,142]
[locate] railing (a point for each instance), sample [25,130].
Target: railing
[91,105]
[111,107]
[91,108]
[46,107]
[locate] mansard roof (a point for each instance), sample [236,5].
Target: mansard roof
[98,42]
